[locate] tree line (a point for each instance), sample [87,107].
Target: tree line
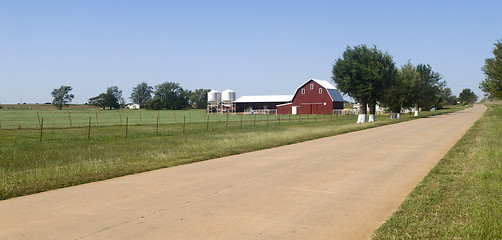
[371,77]
[167,95]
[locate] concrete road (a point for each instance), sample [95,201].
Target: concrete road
[340,187]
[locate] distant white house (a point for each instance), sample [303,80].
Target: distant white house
[132,106]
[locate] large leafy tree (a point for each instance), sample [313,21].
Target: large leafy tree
[112,99]
[364,74]
[396,94]
[141,94]
[198,98]
[467,96]
[492,85]
[62,96]
[423,90]
[169,95]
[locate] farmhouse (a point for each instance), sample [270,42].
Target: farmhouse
[261,104]
[313,97]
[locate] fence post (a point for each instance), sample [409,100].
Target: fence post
[120,116]
[267,119]
[254,121]
[127,125]
[157,124]
[89,131]
[174,113]
[70,119]
[184,122]
[226,123]
[41,129]
[189,116]
[241,122]
[279,119]
[140,120]
[38,116]
[97,121]
[207,123]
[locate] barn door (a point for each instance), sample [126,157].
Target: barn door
[293,110]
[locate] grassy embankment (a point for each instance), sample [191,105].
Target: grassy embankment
[66,156]
[461,198]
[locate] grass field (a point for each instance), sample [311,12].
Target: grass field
[461,198]
[68,156]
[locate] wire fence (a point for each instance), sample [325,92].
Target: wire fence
[130,123]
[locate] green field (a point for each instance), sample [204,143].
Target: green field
[33,159]
[461,198]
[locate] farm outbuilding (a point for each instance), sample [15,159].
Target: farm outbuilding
[261,104]
[313,97]
[133,106]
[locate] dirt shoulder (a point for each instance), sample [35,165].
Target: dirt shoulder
[340,187]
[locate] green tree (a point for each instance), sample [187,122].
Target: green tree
[467,96]
[364,74]
[112,99]
[423,89]
[395,95]
[198,98]
[62,96]
[446,97]
[492,85]
[141,94]
[169,95]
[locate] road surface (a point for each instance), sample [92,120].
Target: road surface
[340,187]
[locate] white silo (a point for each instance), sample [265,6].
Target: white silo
[228,96]
[213,97]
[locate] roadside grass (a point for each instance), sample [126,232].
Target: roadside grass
[67,156]
[461,198]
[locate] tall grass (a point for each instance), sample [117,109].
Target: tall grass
[461,198]
[66,156]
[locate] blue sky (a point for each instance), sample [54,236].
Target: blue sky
[258,47]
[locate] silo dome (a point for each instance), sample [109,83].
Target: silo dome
[228,96]
[214,96]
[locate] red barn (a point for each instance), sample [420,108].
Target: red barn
[313,97]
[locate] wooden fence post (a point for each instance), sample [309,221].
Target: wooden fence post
[241,121]
[189,116]
[89,131]
[174,113]
[140,120]
[69,118]
[157,124]
[41,129]
[120,116]
[226,123]
[127,125]
[38,116]
[184,122]
[97,121]
[207,123]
